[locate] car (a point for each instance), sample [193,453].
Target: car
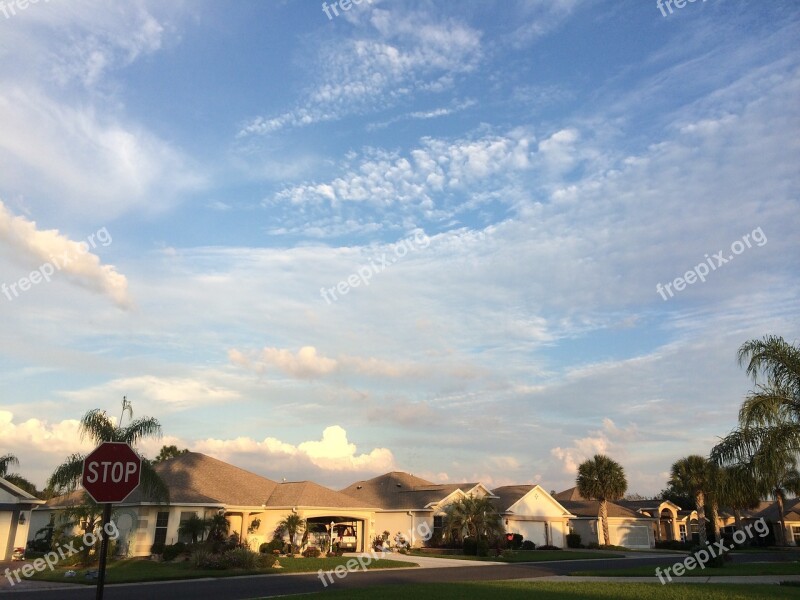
[18,554]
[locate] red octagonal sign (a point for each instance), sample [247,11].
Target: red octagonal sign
[111,472]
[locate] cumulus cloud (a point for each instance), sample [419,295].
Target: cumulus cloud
[33,248]
[334,452]
[603,441]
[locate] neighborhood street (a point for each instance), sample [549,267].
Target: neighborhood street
[241,588]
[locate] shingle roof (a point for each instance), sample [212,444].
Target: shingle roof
[195,478]
[571,494]
[591,508]
[508,495]
[308,493]
[398,490]
[24,497]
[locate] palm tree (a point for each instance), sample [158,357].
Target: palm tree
[692,475]
[473,517]
[194,527]
[99,427]
[293,524]
[777,364]
[769,457]
[737,490]
[6,461]
[602,478]
[218,527]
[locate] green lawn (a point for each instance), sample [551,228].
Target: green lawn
[728,570]
[513,590]
[137,570]
[529,556]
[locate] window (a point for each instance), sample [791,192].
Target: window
[438,526]
[682,530]
[796,535]
[185,516]
[162,520]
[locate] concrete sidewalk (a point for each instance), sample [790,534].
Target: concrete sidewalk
[754,579]
[428,562]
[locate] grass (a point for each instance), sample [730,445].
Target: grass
[529,556]
[518,590]
[133,570]
[729,570]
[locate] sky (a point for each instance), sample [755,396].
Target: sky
[473,241]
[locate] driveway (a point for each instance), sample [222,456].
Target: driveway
[426,562]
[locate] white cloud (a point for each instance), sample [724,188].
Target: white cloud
[35,248]
[394,54]
[333,452]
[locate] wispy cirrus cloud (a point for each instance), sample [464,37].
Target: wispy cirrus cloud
[391,55]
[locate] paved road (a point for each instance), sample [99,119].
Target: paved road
[241,588]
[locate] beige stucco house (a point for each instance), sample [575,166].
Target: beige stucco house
[204,486]
[15,517]
[532,512]
[629,527]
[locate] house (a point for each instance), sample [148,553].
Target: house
[533,513]
[627,527]
[15,517]
[768,511]
[409,505]
[204,486]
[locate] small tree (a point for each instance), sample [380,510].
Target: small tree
[692,475]
[168,452]
[292,524]
[194,527]
[603,479]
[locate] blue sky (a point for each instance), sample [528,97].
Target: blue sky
[419,236]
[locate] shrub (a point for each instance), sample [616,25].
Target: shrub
[171,551]
[593,546]
[482,548]
[312,552]
[157,548]
[204,559]
[516,542]
[240,558]
[549,547]
[270,547]
[573,540]
[528,545]
[673,545]
[470,547]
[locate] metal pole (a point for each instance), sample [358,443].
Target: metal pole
[101,575]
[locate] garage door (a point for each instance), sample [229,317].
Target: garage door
[633,536]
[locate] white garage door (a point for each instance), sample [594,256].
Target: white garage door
[533,531]
[633,536]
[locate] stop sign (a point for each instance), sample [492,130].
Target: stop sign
[111,472]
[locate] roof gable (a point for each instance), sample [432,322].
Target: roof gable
[528,500]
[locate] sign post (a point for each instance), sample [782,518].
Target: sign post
[110,473]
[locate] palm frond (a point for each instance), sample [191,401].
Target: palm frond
[67,476]
[6,461]
[97,425]
[138,429]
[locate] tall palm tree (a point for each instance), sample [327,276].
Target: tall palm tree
[6,461]
[737,490]
[472,516]
[98,426]
[692,475]
[293,524]
[770,459]
[774,366]
[602,478]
